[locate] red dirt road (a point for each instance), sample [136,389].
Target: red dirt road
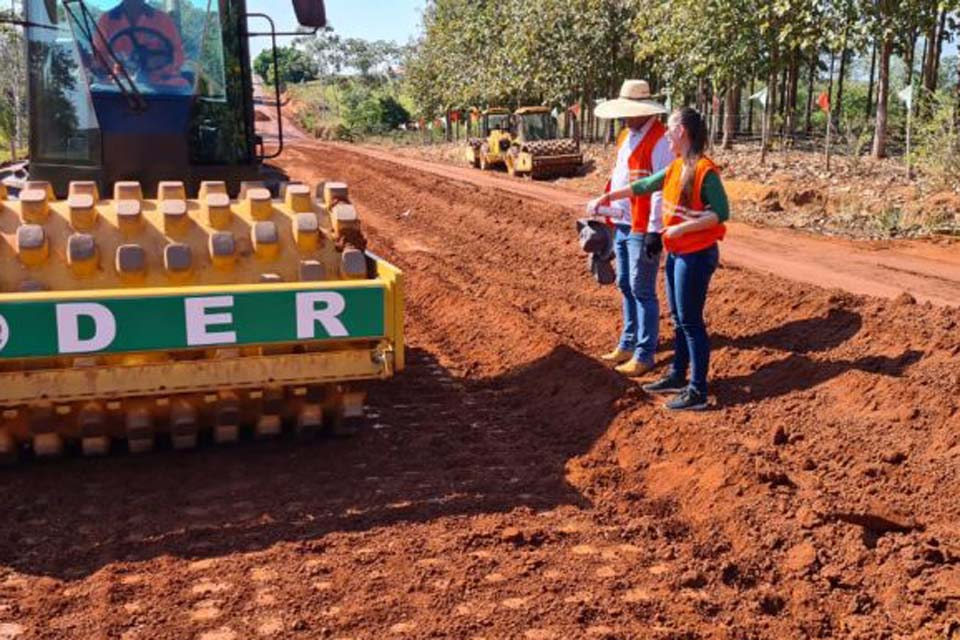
[885,269]
[509,486]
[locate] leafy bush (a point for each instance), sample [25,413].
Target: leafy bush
[294,66]
[856,135]
[936,149]
[367,111]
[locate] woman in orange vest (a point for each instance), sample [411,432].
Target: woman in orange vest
[695,207]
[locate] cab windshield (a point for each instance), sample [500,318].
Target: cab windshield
[498,121]
[168,47]
[538,126]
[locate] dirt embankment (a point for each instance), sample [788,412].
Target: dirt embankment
[509,486]
[857,198]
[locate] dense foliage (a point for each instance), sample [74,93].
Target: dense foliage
[13,101]
[333,55]
[561,52]
[293,66]
[360,91]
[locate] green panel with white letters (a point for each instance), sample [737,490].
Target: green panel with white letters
[76,325]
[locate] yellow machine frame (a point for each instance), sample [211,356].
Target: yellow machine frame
[94,398]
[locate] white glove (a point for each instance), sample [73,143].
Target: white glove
[593,206]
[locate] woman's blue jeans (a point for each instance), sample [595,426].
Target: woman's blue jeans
[688,277]
[637,281]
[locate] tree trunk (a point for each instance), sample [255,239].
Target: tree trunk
[956,100]
[729,117]
[941,35]
[829,114]
[772,80]
[883,90]
[929,50]
[932,59]
[18,77]
[737,110]
[873,73]
[795,80]
[791,101]
[715,109]
[769,110]
[808,110]
[833,59]
[782,103]
[753,85]
[923,61]
[908,59]
[579,121]
[837,109]
[782,100]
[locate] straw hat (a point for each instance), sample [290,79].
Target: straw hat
[635,101]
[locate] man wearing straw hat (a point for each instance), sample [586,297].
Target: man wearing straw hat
[642,150]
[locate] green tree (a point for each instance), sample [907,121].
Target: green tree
[293,65]
[509,52]
[370,58]
[13,102]
[325,48]
[365,111]
[394,114]
[885,19]
[506,52]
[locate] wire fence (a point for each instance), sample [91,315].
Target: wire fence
[846,141]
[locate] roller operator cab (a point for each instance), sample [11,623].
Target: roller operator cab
[538,151]
[496,133]
[145,90]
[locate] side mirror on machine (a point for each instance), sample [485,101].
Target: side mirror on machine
[310,13]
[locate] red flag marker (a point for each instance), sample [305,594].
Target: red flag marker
[824,102]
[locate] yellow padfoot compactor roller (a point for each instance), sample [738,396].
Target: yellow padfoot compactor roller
[127,318]
[526,142]
[538,151]
[167,292]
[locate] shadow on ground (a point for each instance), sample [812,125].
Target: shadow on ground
[799,370]
[434,446]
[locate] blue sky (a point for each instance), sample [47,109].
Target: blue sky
[397,20]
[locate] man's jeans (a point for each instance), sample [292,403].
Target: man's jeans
[688,277]
[637,281]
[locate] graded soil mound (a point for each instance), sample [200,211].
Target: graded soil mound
[510,486]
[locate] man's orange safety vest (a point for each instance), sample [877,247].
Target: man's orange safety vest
[641,166]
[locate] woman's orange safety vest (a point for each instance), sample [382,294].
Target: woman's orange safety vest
[641,166]
[674,213]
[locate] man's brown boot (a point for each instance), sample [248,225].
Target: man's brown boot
[617,356]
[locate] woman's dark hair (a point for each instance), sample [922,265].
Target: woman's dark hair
[696,128]
[692,122]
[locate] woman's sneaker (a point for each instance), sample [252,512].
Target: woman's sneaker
[666,384]
[688,400]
